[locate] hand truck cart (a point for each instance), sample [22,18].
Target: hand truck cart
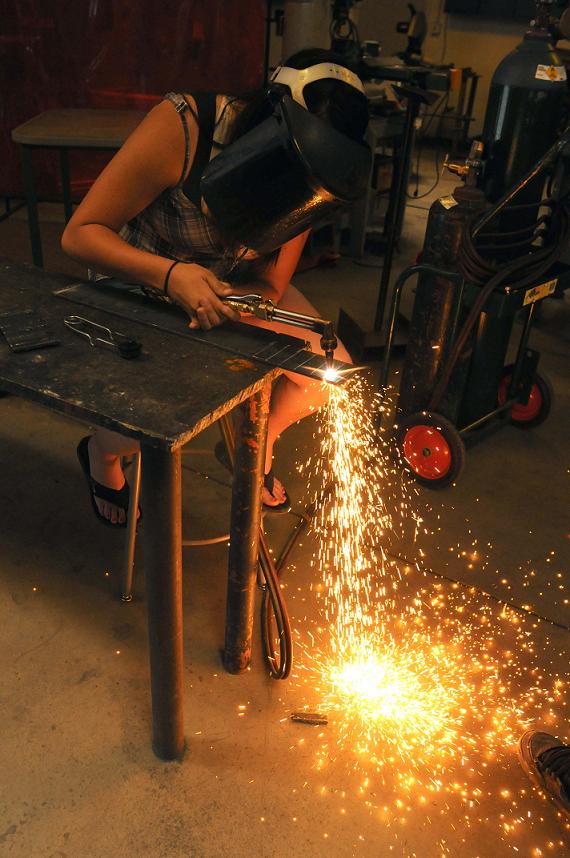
[438,411]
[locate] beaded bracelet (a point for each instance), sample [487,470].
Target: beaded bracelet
[167,278]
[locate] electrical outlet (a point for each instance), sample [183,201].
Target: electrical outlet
[436,29]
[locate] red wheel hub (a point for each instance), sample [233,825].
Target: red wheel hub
[522,412]
[427,452]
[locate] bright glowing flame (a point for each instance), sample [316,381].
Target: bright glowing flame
[331,374]
[402,693]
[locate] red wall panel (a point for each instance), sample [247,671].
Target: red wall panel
[116,53]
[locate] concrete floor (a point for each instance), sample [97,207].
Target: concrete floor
[79,777]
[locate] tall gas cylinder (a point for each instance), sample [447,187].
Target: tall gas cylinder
[438,306]
[306,25]
[524,111]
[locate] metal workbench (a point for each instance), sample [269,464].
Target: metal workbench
[178,386]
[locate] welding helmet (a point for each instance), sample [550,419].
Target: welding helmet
[291,172]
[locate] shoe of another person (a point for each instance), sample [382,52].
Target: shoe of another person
[546,760]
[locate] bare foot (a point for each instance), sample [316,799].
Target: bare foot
[106,469]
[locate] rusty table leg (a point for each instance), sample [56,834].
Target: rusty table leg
[251,435]
[161,500]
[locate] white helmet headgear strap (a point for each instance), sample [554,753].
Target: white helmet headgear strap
[298,79]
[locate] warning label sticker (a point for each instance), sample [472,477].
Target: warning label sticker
[554,73]
[448,202]
[538,292]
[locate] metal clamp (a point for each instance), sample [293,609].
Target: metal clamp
[100,335]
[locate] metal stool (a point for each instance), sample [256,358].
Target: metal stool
[127,571]
[274,617]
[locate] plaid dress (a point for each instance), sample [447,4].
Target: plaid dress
[172,226]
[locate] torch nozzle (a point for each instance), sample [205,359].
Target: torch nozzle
[329,343]
[264,308]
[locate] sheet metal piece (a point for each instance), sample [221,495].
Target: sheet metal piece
[278,350]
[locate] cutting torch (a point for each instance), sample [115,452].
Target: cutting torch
[264,308]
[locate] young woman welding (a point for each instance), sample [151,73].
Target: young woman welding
[200,203]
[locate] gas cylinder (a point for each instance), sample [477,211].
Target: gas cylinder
[437,305]
[306,24]
[524,112]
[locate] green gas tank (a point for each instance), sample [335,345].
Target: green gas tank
[524,113]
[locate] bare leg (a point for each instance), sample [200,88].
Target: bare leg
[294,396]
[105,451]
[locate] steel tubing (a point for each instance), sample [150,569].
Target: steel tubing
[250,440]
[161,491]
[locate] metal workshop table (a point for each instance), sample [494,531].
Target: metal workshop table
[177,387]
[89,128]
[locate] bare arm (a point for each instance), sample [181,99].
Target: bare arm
[278,275]
[149,162]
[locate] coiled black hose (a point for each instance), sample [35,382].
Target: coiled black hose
[512,233]
[524,270]
[274,617]
[512,245]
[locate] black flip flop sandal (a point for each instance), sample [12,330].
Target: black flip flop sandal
[281,508]
[118,497]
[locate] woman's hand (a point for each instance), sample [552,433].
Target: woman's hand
[198,291]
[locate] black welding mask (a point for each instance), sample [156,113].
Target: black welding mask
[292,172]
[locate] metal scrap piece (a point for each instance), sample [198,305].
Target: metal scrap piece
[316,718]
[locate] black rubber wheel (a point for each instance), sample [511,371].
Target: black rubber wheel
[431,449]
[539,404]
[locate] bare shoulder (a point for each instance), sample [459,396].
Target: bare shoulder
[160,141]
[230,104]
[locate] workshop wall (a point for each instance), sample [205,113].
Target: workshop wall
[116,54]
[459,39]
[377,21]
[470,41]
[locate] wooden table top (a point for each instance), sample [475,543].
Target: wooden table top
[176,388]
[90,128]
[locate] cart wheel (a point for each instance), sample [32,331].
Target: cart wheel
[537,409]
[432,448]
